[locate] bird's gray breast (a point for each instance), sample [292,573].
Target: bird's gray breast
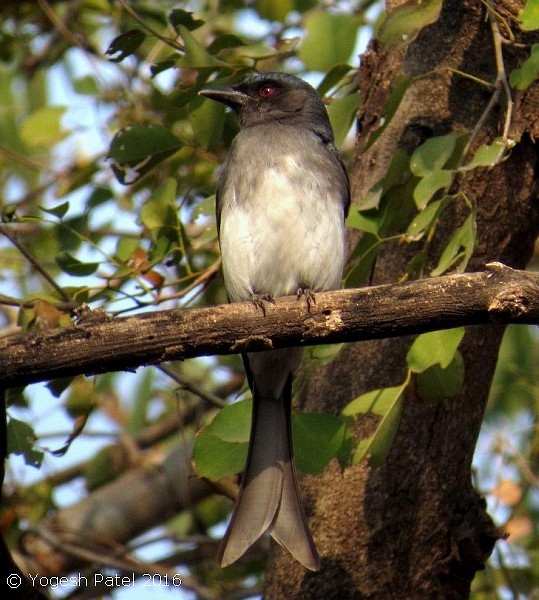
[282,218]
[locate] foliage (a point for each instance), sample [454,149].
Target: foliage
[107,162]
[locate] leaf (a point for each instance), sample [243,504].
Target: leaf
[58,386]
[342,112]
[338,32]
[20,441]
[523,77]
[225,41]
[459,249]
[165,64]
[73,266]
[58,211]
[178,17]
[332,78]
[207,120]
[233,422]
[221,448]
[274,10]
[428,185]
[398,89]
[43,127]
[125,45]
[160,211]
[404,23]
[368,220]
[425,219]
[434,348]
[529,16]
[387,403]
[487,155]
[215,459]
[377,402]
[318,438]
[437,383]
[136,149]
[323,353]
[87,85]
[433,154]
[196,56]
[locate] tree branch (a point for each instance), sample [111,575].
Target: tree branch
[98,343]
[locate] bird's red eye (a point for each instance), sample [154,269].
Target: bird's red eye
[266,91]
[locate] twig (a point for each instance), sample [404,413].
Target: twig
[126,563]
[191,387]
[501,76]
[22,249]
[501,82]
[166,40]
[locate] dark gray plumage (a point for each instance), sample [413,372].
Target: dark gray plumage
[282,198]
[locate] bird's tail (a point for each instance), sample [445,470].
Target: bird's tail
[268,499]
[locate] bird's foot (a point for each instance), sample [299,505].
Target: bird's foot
[260,300]
[308,294]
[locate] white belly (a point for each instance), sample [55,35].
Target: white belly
[294,240]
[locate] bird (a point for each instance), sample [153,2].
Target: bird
[283,194]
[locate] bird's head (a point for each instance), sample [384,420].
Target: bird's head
[274,97]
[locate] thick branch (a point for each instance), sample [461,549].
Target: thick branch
[98,343]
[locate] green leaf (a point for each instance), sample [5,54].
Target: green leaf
[86,86]
[318,438]
[207,120]
[368,221]
[43,127]
[20,441]
[125,44]
[178,17]
[377,402]
[514,388]
[73,266]
[323,353]
[434,348]
[433,154]
[436,383]
[58,386]
[58,211]
[165,64]
[225,41]
[487,155]
[522,78]
[404,24]
[136,149]
[125,248]
[425,219]
[428,185]
[215,458]
[332,78]
[274,10]
[160,210]
[338,32]
[196,55]
[529,16]
[342,113]
[233,422]
[388,404]
[221,448]
[398,89]
[459,249]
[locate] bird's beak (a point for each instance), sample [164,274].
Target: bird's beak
[226,95]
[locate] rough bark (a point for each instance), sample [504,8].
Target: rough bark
[414,527]
[98,343]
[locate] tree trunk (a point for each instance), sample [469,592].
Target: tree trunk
[414,527]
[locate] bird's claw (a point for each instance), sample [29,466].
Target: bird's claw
[308,294]
[259,301]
